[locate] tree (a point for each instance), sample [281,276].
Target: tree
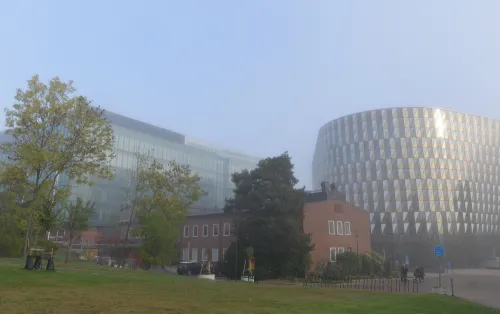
[58,137]
[271,217]
[164,194]
[134,190]
[77,221]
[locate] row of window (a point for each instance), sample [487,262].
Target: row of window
[204,230]
[334,251]
[342,228]
[214,256]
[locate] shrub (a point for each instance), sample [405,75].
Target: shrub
[349,263]
[366,264]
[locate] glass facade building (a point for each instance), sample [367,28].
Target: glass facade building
[213,164]
[421,172]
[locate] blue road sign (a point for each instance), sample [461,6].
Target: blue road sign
[439,250]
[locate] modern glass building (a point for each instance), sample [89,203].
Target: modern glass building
[423,174]
[213,164]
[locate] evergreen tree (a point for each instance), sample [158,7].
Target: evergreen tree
[271,218]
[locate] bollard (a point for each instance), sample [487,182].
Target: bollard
[452,287]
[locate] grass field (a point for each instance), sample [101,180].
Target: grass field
[122,291]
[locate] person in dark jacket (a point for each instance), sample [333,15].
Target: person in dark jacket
[404,272]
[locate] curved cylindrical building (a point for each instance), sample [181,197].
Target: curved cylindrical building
[425,175]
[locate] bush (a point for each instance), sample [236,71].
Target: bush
[366,264]
[349,263]
[332,272]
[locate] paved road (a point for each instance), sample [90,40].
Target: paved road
[478,285]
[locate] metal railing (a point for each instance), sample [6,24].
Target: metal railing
[409,285]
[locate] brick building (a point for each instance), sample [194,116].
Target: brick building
[206,237]
[335,225]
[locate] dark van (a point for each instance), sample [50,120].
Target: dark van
[189,268]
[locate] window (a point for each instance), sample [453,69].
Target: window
[215,230]
[331,227]
[215,255]
[204,254]
[186,231]
[347,227]
[195,231]
[227,229]
[341,250]
[185,254]
[194,254]
[340,228]
[205,231]
[333,254]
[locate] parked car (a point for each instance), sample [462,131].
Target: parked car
[189,268]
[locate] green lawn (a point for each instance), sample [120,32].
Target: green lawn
[121,291]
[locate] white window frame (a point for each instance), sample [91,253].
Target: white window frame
[340,228]
[204,255]
[333,249]
[213,230]
[195,234]
[185,254]
[186,231]
[194,254]
[227,227]
[340,250]
[347,228]
[215,255]
[203,228]
[331,227]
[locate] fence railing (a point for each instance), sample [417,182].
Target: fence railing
[409,285]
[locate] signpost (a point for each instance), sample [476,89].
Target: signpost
[439,250]
[439,253]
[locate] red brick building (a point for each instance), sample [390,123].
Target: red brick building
[335,226]
[206,237]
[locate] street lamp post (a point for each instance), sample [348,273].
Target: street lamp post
[357,246]
[236,252]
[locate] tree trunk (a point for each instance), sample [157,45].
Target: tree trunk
[30,220]
[68,253]
[27,235]
[35,238]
